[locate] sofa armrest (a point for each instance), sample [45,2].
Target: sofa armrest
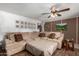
[59,41]
[61,38]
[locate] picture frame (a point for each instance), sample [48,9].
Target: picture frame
[17,26]
[17,21]
[22,22]
[22,26]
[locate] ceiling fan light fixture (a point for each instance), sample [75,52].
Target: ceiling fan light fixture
[53,15]
[55,12]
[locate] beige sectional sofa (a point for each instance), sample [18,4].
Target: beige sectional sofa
[13,47]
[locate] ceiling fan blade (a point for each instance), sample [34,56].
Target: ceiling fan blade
[45,13]
[49,16]
[63,10]
[59,15]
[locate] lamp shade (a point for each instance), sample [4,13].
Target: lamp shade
[62,26]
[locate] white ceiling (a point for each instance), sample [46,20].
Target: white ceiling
[34,10]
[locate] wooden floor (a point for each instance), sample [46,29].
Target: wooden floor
[64,52]
[61,52]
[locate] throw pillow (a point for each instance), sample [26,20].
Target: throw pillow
[18,37]
[42,35]
[52,35]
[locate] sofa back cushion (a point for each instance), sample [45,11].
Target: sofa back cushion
[57,34]
[18,37]
[9,38]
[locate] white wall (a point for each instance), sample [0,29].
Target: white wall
[42,24]
[8,23]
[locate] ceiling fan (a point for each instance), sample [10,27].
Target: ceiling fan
[54,12]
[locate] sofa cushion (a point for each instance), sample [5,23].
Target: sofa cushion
[9,38]
[8,41]
[15,47]
[18,37]
[58,34]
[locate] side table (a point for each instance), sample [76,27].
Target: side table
[3,52]
[68,44]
